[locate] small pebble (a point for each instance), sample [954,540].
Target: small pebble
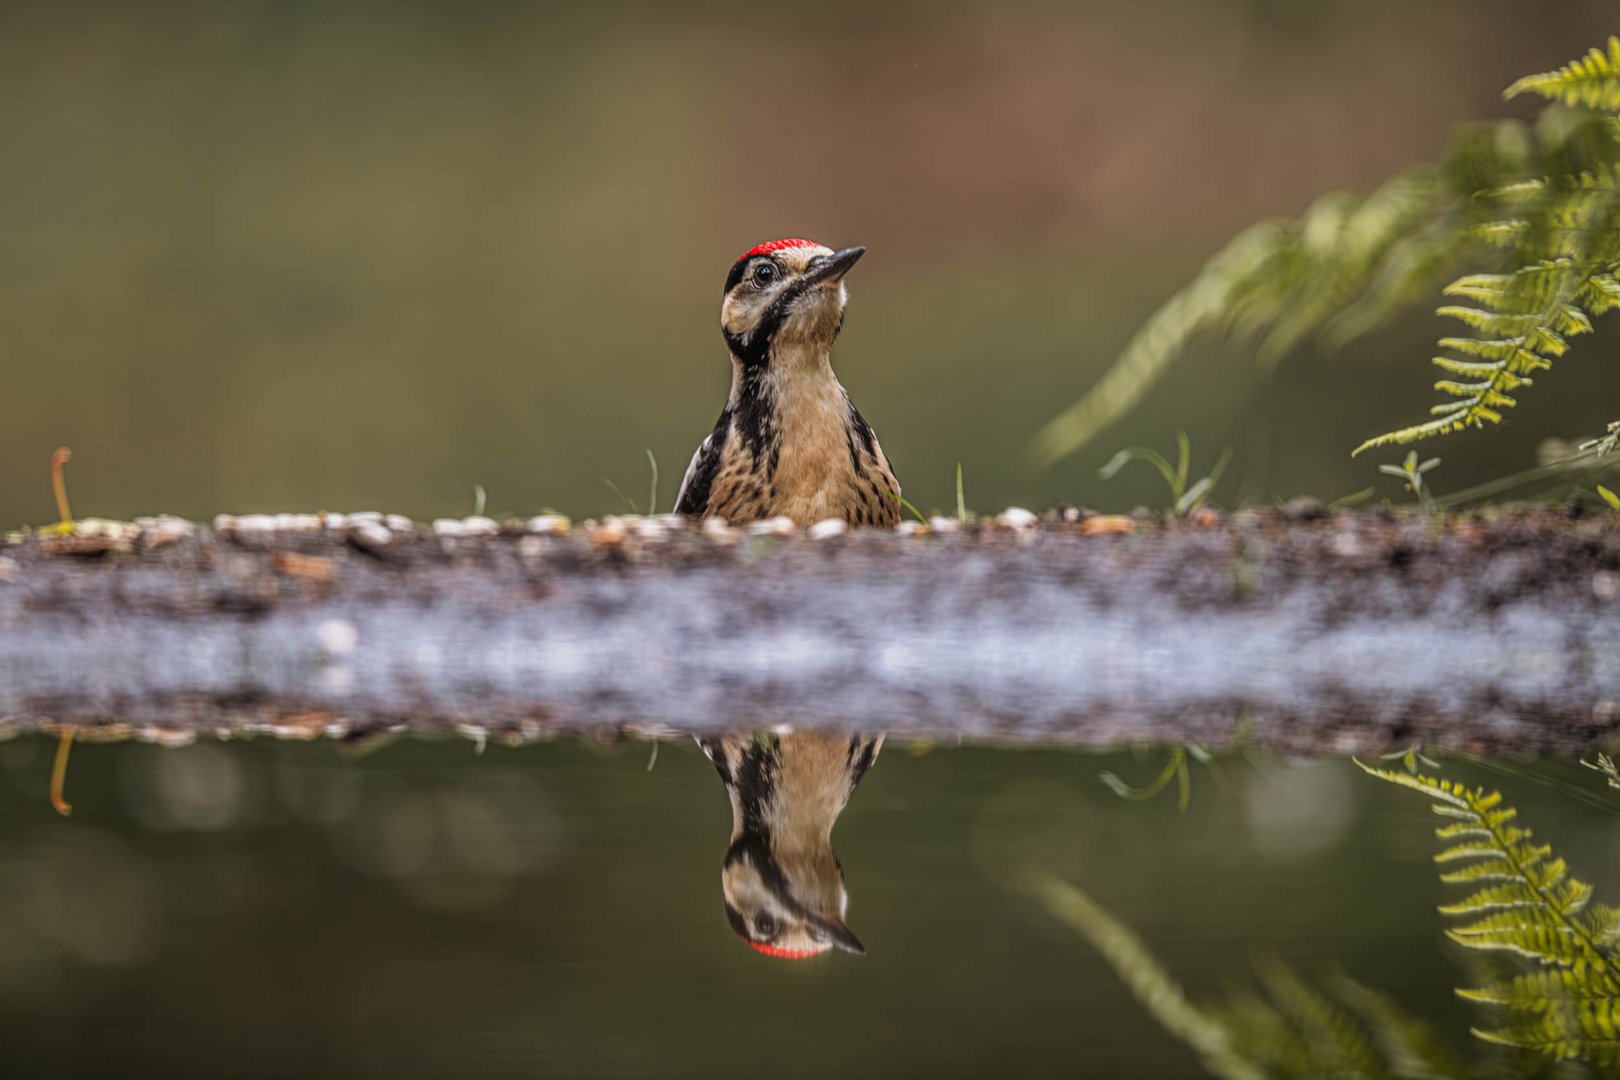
[548,523]
[398,523]
[370,535]
[1016,517]
[941,524]
[608,534]
[364,516]
[449,527]
[776,526]
[255,523]
[1104,524]
[1606,584]
[910,528]
[830,527]
[480,526]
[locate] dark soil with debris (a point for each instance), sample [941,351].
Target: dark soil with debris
[1295,628]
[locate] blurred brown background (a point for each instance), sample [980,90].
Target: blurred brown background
[267,256]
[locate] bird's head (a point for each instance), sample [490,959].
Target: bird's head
[789,905]
[785,292]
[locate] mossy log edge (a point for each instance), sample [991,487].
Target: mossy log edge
[1296,629]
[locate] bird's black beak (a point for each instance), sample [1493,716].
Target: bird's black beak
[836,932]
[830,269]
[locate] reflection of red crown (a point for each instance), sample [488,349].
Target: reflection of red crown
[785,954]
[777,245]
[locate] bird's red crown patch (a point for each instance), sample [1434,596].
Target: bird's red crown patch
[777,245]
[780,952]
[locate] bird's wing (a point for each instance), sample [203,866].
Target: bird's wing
[693,498]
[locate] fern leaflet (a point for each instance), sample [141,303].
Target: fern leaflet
[1593,80]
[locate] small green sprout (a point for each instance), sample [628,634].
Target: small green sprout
[1609,497]
[1184,499]
[1412,472]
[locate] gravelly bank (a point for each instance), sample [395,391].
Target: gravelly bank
[1295,628]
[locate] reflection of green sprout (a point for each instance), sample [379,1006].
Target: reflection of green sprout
[1175,769]
[1605,765]
[1412,472]
[1183,499]
[1411,758]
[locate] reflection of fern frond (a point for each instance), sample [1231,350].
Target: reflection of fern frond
[1525,904]
[1291,1031]
[1350,263]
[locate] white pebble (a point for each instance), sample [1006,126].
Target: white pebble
[822,530]
[167,530]
[547,523]
[398,523]
[1016,517]
[225,523]
[364,516]
[255,523]
[910,528]
[776,526]
[371,535]
[449,527]
[335,522]
[940,523]
[479,526]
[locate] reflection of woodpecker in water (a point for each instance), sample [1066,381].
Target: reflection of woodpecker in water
[783,885]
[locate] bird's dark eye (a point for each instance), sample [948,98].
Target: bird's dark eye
[764,926]
[764,274]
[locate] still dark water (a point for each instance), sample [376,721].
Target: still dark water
[423,910]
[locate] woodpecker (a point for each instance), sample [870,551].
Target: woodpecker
[789,442]
[782,883]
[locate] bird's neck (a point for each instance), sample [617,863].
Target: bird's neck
[793,368]
[792,789]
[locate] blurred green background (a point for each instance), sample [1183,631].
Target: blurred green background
[319,255]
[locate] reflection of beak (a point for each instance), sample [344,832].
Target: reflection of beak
[830,269]
[839,934]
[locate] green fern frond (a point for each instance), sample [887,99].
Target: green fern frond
[1545,197]
[1567,1006]
[1592,81]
